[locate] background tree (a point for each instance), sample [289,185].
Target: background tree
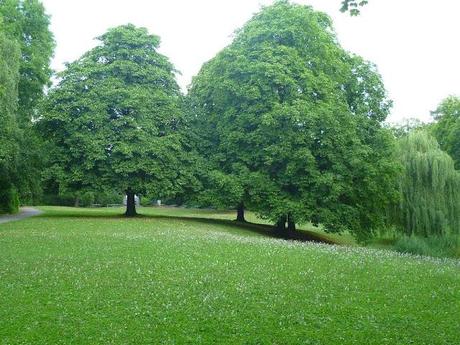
[113,120]
[447,127]
[26,23]
[9,75]
[296,121]
[429,188]
[406,126]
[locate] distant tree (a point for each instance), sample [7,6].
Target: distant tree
[447,127]
[114,118]
[407,126]
[429,188]
[295,121]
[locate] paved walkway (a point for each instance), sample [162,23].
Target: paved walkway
[24,212]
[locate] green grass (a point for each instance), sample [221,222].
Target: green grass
[88,276]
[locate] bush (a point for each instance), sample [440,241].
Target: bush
[437,246]
[108,198]
[58,200]
[9,200]
[87,199]
[146,201]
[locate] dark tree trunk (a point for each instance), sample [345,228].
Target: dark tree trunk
[291,223]
[130,203]
[240,213]
[280,225]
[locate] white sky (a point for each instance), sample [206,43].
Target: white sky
[415,43]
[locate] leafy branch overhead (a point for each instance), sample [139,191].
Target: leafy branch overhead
[352,6]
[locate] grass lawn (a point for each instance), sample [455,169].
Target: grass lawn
[88,276]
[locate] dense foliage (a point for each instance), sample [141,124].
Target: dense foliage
[295,121]
[26,22]
[9,75]
[447,127]
[114,117]
[429,188]
[26,49]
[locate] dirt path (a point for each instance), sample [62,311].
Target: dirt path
[25,212]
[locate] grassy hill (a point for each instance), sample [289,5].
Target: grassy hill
[174,276]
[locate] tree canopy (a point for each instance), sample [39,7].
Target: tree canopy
[9,75]
[114,117]
[429,188]
[26,22]
[447,127]
[296,121]
[26,49]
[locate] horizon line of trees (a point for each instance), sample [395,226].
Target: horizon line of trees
[283,122]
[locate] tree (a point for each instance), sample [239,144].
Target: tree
[429,187]
[26,24]
[114,118]
[296,121]
[405,127]
[447,127]
[9,75]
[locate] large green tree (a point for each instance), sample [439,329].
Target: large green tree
[114,118]
[296,121]
[429,188]
[447,127]
[9,75]
[26,24]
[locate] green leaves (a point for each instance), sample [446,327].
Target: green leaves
[429,188]
[352,6]
[447,127]
[113,118]
[26,47]
[302,117]
[27,23]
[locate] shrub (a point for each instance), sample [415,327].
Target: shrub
[87,199]
[9,200]
[437,246]
[108,198]
[58,200]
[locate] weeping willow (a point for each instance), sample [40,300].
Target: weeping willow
[429,188]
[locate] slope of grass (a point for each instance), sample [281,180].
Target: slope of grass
[90,276]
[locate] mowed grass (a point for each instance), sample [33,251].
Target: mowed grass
[75,276]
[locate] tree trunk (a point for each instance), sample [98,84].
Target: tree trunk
[280,226]
[291,223]
[130,203]
[77,202]
[240,213]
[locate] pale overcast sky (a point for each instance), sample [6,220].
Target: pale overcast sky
[415,43]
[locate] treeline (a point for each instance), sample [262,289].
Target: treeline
[283,122]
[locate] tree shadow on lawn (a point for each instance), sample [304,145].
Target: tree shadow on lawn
[262,229]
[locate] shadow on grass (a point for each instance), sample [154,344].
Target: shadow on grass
[262,229]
